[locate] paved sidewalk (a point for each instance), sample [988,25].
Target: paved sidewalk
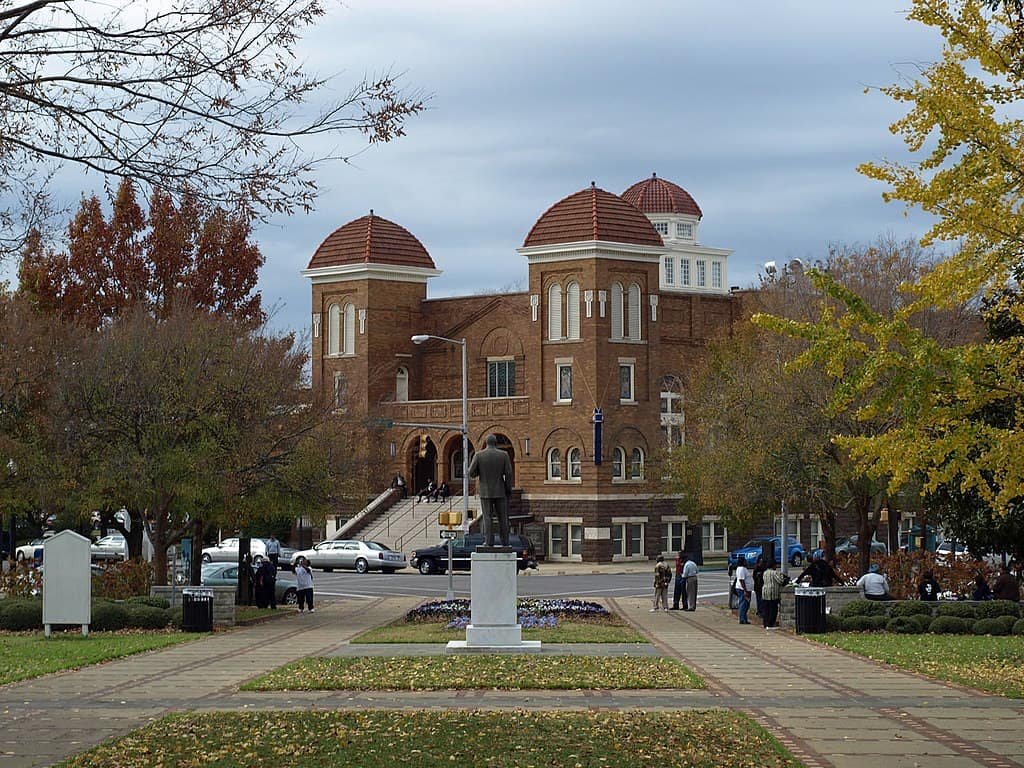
[828,707]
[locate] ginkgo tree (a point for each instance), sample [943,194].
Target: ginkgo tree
[964,130]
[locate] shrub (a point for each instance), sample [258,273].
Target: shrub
[903,625]
[108,617]
[992,609]
[950,625]
[19,614]
[923,621]
[959,610]
[173,617]
[121,580]
[989,627]
[911,608]
[1018,627]
[145,616]
[864,608]
[864,623]
[153,600]
[1007,622]
[833,622]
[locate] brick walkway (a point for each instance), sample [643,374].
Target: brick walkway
[828,707]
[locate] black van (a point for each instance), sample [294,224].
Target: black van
[435,559]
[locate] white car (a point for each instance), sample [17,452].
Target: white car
[361,556]
[28,551]
[227,552]
[110,547]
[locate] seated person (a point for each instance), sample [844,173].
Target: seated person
[1006,586]
[441,492]
[929,588]
[427,492]
[874,584]
[820,572]
[982,591]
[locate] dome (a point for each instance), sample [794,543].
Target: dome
[592,214]
[371,240]
[656,195]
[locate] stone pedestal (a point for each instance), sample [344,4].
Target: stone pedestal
[494,624]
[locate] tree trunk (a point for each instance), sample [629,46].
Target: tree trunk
[160,544]
[196,566]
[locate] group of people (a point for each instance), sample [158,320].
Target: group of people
[764,582]
[685,589]
[265,579]
[434,492]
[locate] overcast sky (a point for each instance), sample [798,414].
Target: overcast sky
[757,109]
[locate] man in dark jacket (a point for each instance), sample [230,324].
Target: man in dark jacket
[1005,587]
[820,572]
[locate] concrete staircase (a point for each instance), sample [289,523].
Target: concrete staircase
[409,524]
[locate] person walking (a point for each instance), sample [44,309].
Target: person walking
[759,568]
[304,584]
[690,574]
[273,550]
[679,588]
[771,595]
[662,578]
[744,584]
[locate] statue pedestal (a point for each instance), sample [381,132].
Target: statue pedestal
[494,624]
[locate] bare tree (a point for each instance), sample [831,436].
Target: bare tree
[177,94]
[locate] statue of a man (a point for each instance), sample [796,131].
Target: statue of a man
[494,470]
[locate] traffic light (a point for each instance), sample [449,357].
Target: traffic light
[423,446]
[450,519]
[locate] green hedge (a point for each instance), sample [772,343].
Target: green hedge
[924,621]
[950,625]
[108,617]
[864,623]
[152,600]
[1018,627]
[903,625]
[18,614]
[911,608]
[833,622]
[993,609]
[141,616]
[989,627]
[959,610]
[864,608]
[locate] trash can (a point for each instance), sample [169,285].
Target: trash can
[197,609]
[810,610]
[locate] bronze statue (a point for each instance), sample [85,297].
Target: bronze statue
[494,470]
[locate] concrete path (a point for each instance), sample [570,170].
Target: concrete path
[830,708]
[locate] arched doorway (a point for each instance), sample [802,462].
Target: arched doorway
[453,463]
[424,463]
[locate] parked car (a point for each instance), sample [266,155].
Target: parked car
[226,575]
[362,556]
[110,547]
[752,550]
[31,551]
[847,545]
[945,551]
[435,559]
[227,552]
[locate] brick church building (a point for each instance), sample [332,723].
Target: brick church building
[582,378]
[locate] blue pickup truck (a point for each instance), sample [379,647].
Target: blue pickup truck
[747,554]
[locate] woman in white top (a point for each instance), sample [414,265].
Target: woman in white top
[874,584]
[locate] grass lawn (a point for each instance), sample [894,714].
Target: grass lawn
[27,655]
[517,739]
[503,672]
[994,664]
[611,630]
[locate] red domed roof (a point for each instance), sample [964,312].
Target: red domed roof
[371,240]
[656,195]
[592,214]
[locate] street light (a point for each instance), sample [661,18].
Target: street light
[419,339]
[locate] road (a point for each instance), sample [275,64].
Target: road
[712,586]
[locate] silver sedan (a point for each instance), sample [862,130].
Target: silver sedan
[361,556]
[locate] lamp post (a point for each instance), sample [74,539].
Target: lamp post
[419,339]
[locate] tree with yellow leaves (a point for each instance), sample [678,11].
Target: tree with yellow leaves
[963,126]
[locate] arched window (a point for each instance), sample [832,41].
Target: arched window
[572,310]
[617,311]
[636,465]
[575,462]
[633,331]
[402,385]
[619,463]
[554,312]
[554,464]
[349,347]
[334,330]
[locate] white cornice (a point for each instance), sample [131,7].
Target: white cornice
[698,250]
[591,249]
[393,272]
